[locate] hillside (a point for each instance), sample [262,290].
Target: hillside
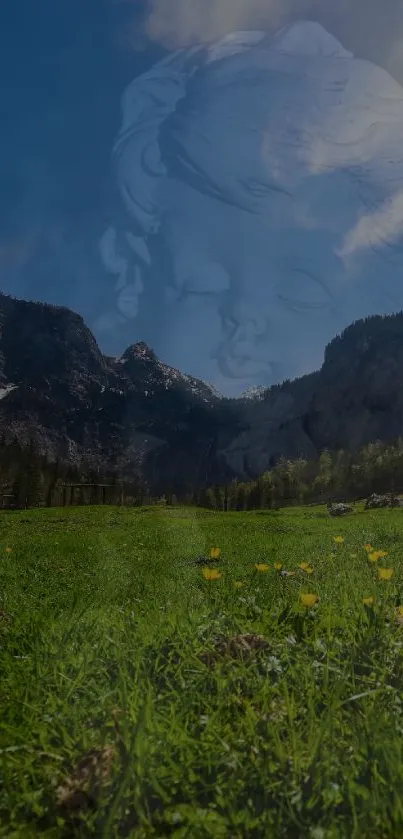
[137,416]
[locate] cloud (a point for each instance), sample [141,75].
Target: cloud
[378,229]
[177,23]
[371,29]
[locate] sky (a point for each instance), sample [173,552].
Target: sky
[64,67]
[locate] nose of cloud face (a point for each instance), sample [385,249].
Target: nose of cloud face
[245,321]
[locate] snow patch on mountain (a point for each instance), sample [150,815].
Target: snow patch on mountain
[4,391]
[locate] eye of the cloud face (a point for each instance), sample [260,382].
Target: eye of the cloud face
[303,292]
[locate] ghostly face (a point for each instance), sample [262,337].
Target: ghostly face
[254,298]
[240,298]
[250,191]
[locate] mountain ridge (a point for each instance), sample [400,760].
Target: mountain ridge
[136,415]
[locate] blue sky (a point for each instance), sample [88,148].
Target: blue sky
[64,66]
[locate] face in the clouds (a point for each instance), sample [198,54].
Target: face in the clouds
[243,297]
[242,182]
[252,298]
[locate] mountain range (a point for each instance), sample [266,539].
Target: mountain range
[136,416]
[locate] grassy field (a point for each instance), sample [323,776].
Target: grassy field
[140,699]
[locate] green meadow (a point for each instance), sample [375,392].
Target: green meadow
[144,694]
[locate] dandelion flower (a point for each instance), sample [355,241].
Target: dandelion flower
[368,601]
[9,550]
[305,566]
[215,553]
[309,599]
[278,566]
[368,547]
[375,555]
[338,539]
[261,566]
[238,584]
[211,574]
[385,573]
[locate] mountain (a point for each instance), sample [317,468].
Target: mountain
[261,180]
[354,399]
[135,416]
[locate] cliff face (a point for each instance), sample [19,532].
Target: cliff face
[355,398]
[136,415]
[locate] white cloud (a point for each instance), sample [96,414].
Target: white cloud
[182,22]
[371,29]
[377,229]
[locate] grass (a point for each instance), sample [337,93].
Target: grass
[139,699]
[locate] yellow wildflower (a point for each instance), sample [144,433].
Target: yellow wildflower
[373,556]
[338,539]
[368,547]
[305,566]
[215,553]
[261,566]
[368,601]
[238,584]
[309,599]
[278,566]
[385,573]
[211,574]
[8,550]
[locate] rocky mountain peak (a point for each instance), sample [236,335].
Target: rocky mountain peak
[140,350]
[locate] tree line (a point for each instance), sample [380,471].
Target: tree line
[28,479]
[335,476]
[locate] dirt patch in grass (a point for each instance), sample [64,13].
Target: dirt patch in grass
[79,790]
[236,647]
